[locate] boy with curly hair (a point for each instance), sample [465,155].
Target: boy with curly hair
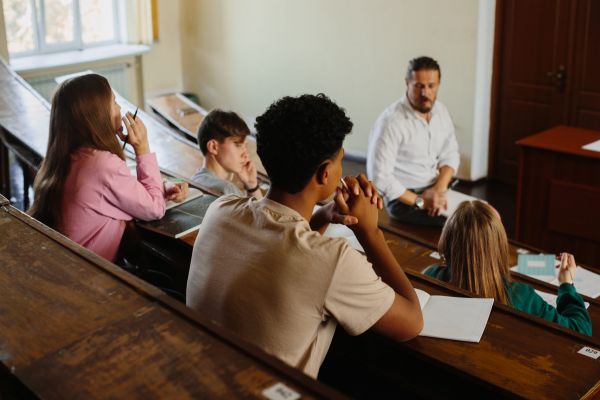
[262,268]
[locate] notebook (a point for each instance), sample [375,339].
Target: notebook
[168,180]
[182,219]
[586,282]
[454,200]
[454,318]
[551,298]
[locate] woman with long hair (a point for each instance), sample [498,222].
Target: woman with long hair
[475,249]
[84,188]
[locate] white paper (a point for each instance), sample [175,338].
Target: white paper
[551,298]
[455,318]
[192,194]
[586,282]
[454,200]
[279,391]
[589,352]
[342,231]
[594,146]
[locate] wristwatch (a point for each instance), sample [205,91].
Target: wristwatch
[419,203]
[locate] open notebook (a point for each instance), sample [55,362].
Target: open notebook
[455,318]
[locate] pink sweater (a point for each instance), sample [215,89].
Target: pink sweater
[100,194]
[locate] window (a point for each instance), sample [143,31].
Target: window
[47,26]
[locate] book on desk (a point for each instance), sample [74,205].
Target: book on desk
[180,220]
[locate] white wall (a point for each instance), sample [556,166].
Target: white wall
[3,45]
[245,54]
[162,70]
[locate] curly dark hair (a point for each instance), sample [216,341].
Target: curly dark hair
[420,63]
[219,125]
[296,134]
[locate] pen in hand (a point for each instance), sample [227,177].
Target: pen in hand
[127,137]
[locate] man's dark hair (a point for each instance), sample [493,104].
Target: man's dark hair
[421,63]
[219,125]
[296,134]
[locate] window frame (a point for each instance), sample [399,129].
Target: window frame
[38,16]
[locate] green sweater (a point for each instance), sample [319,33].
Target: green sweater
[571,312]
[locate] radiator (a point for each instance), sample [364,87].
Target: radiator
[117,75]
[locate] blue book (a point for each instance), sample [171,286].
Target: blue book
[537,264]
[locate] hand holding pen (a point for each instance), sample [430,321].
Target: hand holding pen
[127,137]
[137,135]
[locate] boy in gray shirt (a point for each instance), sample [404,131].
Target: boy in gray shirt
[222,140]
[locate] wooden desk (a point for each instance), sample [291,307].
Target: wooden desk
[517,357]
[76,326]
[559,193]
[467,363]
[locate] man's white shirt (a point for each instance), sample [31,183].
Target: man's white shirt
[405,152]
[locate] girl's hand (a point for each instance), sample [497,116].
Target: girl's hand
[568,267]
[137,136]
[176,192]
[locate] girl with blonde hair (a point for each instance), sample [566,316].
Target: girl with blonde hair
[84,188]
[475,249]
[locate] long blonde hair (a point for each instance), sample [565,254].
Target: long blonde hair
[80,117]
[475,248]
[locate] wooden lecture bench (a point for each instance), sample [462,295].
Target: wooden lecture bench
[76,326]
[519,355]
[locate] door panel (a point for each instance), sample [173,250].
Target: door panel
[534,46]
[585,108]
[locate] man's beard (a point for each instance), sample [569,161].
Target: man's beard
[422,108]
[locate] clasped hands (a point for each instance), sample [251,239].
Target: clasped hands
[355,204]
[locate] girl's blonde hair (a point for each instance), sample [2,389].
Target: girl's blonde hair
[475,248]
[80,117]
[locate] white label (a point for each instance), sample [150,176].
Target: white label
[280,392]
[522,251]
[435,254]
[591,353]
[536,263]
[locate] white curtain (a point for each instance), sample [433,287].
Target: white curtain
[138,20]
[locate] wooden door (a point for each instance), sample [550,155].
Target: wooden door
[533,77]
[585,96]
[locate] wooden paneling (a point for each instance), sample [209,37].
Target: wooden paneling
[546,218]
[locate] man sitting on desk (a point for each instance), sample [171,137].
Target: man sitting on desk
[413,152]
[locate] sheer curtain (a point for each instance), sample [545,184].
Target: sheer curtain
[139,17]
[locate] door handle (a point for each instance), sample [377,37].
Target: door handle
[561,78]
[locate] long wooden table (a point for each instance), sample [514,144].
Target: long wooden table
[519,354]
[76,326]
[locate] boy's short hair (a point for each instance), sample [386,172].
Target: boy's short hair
[296,134]
[219,125]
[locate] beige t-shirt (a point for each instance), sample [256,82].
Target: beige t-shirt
[260,271]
